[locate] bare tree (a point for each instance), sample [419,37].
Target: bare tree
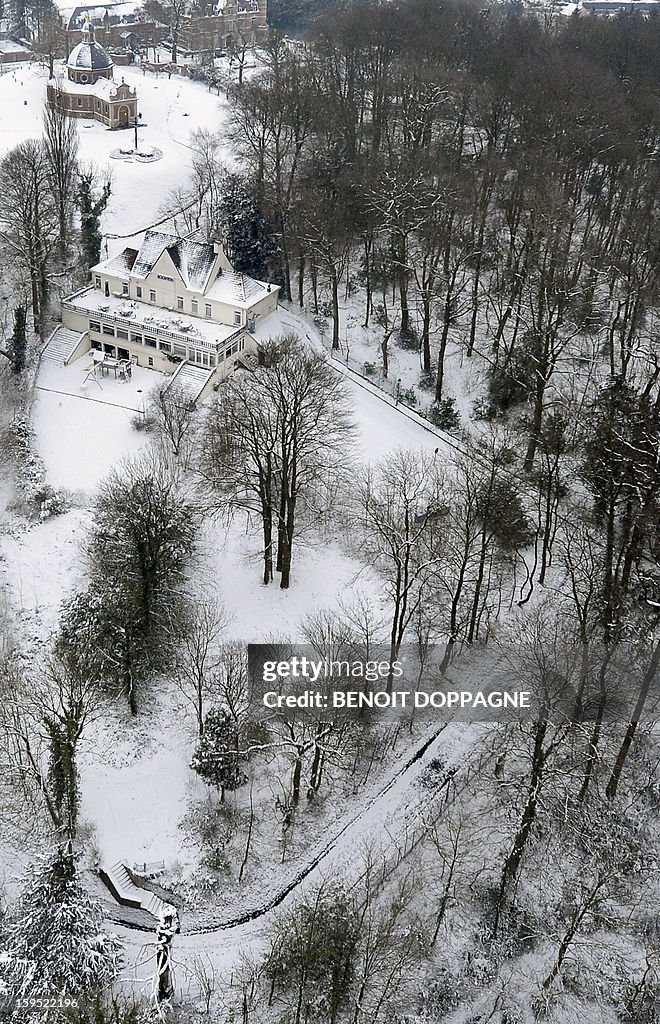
[282,436]
[198,654]
[61,145]
[174,416]
[170,13]
[28,220]
[402,503]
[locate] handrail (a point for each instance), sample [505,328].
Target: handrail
[181,336]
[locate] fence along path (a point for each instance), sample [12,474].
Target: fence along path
[402,824]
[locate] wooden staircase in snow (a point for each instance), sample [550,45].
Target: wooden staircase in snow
[117,879]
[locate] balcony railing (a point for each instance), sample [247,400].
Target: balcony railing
[186,337]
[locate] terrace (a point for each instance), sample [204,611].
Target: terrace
[118,311]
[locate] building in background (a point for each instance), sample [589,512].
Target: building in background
[85,87]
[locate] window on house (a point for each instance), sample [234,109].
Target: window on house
[181,350]
[95,325]
[137,338]
[124,288]
[150,361]
[234,347]
[138,291]
[152,296]
[107,329]
[193,305]
[122,334]
[79,102]
[97,281]
[179,302]
[241,344]
[165,346]
[228,353]
[150,342]
[207,309]
[237,317]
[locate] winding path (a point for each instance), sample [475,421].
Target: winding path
[381,824]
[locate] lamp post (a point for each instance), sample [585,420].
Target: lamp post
[136,125]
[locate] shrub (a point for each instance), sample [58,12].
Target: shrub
[144,422]
[444,414]
[408,396]
[51,502]
[408,339]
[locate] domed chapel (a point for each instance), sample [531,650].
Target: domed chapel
[88,90]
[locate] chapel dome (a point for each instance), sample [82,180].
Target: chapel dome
[88,55]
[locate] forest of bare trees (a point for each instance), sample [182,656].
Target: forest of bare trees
[477,182]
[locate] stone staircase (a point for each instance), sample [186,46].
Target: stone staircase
[190,380]
[60,345]
[249,361]
[117,879]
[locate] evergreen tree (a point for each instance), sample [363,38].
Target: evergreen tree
[53,942]
[248,232]
[292,15]
[115,632]
[18,342]
[91,207]
[17,13]
[218,758]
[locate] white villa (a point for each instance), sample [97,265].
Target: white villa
[175,304]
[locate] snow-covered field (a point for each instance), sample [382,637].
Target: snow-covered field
[172,109]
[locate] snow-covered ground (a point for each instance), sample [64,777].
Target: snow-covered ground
[172,109]
[84,429]
[135,777]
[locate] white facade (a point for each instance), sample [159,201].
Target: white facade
[175,300]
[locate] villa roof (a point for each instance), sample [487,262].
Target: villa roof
[194,259]
[122,263]
[237,289]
